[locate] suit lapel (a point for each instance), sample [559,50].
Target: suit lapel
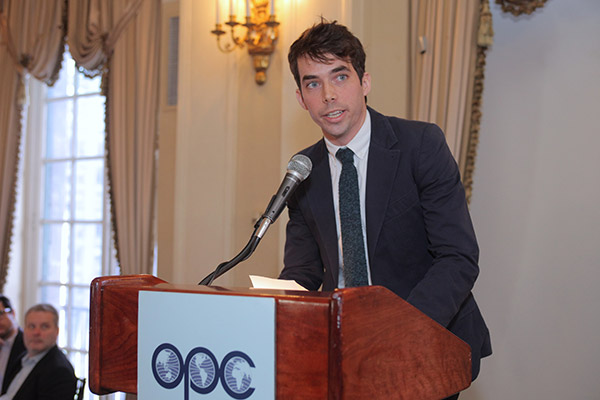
[381,172]
[320,200]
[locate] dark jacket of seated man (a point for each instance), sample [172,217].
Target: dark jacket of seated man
[53,378]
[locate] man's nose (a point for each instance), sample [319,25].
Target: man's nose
[329,93]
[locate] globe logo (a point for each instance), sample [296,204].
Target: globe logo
[236,375]
[203,370]
[167,366]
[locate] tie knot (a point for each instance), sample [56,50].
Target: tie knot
[345,155]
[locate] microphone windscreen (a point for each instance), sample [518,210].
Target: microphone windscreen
[301,164]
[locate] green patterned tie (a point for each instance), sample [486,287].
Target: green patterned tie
[353,246]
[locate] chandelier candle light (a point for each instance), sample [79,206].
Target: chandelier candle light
[261,33]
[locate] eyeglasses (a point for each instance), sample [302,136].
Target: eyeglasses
[5,311]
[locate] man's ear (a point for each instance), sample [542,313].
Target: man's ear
[366,83]
[300,99]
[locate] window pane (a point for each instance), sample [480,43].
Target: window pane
[54,294]
[90,126]
[64,84]
[62,326]
[57,190]
[89,85]
[79,322]
[55,252]
[79,361]
[50,294]
[59,129]
[89,190]
[88,253]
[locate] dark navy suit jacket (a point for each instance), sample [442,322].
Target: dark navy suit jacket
[421,243]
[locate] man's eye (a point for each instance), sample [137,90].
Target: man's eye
[342,77]
[312,85]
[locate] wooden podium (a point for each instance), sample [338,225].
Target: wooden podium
[356,343]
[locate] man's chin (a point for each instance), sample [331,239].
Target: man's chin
[36,349]
[337,138]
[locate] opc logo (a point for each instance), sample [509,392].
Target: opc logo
[202,371]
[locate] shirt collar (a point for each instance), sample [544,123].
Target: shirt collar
[26,359]
[359,144]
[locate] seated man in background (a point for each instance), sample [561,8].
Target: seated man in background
[44,371]
[11,340]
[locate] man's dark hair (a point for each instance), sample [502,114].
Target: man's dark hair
[5,301]
[322,41]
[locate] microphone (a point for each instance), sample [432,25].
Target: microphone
[298,170]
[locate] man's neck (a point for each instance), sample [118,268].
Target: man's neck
[39,354]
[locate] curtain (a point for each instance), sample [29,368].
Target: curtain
[121,38]
[468,153]
[443,45]
[31,42]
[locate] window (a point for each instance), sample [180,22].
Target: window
[67,235]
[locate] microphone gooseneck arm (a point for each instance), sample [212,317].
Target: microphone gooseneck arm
[243,255]
[298,170]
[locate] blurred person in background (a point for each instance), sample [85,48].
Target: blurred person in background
[11,340]
[44,371]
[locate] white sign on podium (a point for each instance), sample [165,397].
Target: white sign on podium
[205,346]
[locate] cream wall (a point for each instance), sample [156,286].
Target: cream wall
[225,153]
[535,205]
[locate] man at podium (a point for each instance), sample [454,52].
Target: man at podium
[384,204]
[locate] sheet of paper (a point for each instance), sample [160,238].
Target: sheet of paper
[261,282]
